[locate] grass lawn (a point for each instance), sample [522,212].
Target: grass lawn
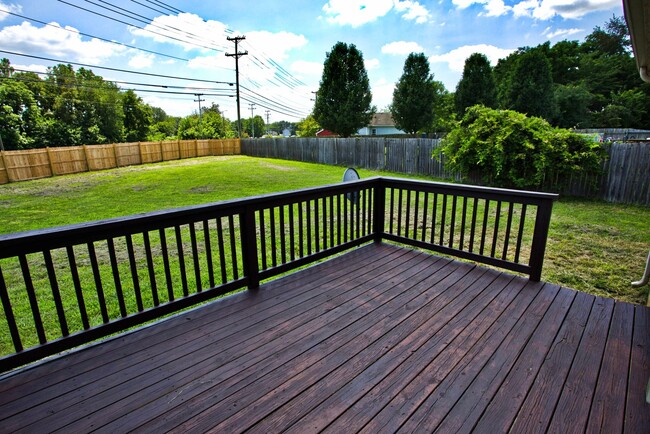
[594,247]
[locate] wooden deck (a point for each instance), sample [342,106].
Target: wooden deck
[381,339]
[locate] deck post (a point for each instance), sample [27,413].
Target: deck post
[379,212]
[249,247]
[538,247]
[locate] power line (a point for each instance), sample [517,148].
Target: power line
[149,74]
[93,36]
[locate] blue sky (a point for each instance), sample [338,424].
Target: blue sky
[286,42]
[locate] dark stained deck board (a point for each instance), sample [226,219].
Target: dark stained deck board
[381,339]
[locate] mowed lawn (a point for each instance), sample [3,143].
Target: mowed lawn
[593,246]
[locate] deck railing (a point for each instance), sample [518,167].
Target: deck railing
[64,287]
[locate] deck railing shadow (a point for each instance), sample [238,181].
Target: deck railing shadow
[64,287]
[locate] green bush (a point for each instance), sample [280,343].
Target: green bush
[504,148]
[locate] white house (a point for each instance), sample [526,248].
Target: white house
[381,124]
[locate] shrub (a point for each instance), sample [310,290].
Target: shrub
[505,148]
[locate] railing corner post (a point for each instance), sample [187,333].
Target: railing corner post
[540,236]
[249,247]
[379,215]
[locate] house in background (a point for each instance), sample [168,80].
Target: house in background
[382,124]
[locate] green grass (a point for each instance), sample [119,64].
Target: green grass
[594,247]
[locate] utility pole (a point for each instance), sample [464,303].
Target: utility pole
[236,55]
[199,100]
[268,113]
[252,107]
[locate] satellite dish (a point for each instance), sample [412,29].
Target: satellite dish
[351,175]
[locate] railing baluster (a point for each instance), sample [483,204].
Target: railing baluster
[316,226]
[283,247]
[452,226]
[520,234]
[222,251]
[508,227]
[208,252]
[369,196]
[338,218]
[434,215]
[292,235]
[399,212]
[392,209]
[134,273]
[472,231]
[301,227]
[181,259]
[56,294]
[358,212]
[425,211]
[74,272]
[324,222]
[495,235]
[308,227]
[150,269]
[33,303]
[486,211]
[9,314]
[416,215]
[331,221]
[116,277]
[168,272]
[273,246]
[262,239]
[462,225]
[233,248]
[408,214]
[443,219]
[195,258]
[98,282]
[345,220]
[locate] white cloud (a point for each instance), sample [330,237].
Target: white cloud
[204,34]
[9,7]
[413,11]
[39,69]
[371,64]
[356,13]
[274,45]
[456,58]
[540,9]
[560,32]
[382,93]
[141,61]
[402,48]
[496,8]
[55,41]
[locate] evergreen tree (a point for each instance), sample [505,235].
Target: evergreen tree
[476,85]
[531,87]
[343,102]
[414,95]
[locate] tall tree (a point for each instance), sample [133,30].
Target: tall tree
[476,85]
[137,117]
[343,101]
[414,95]
[531,88]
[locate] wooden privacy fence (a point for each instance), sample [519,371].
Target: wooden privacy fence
[45,162]
[625,178]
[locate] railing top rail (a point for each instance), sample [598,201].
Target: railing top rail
[474,190]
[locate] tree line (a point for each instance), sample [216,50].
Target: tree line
[72,107]
[571,84]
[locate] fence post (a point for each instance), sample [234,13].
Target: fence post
[379,211]
[249,247]
[538,247]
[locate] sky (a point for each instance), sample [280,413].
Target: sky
[173,53]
